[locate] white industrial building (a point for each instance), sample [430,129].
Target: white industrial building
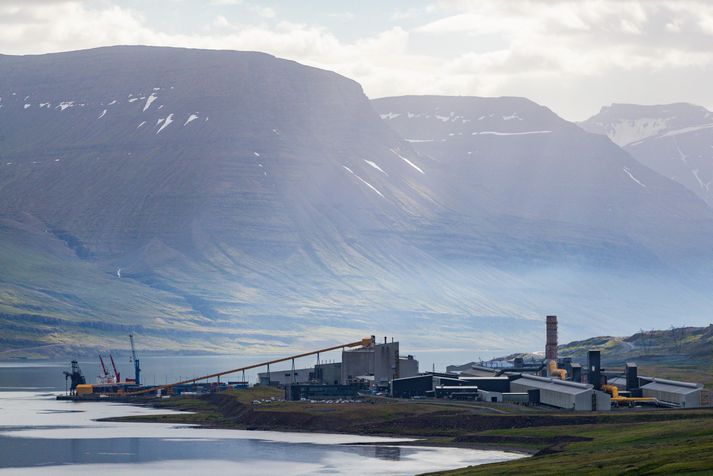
[683,394]
[562,393]
[377,363]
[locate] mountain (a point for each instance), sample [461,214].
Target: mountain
[682,352]
[210,200]
[675,140]
[221,201]
[511,160]
[571,214]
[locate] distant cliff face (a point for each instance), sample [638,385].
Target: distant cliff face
[510,160]
[226,201]
[675,140]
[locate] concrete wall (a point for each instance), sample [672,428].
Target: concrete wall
[328,374]
[491,397]
[381,361]
[408,367]
[603,401]
[356,363]
[386,362]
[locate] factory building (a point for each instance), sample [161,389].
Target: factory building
[286,377]
[379,363]
[499,384]
[683,394]
[408,366]
[329,373]
[562,393]
[419,385]
[296,392]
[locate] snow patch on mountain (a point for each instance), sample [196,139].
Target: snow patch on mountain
[704,185]
[363,181]
[408,161]
[149,100]
[631,176]
[376,166]
[166,123]
[496,133]
[627,131]
[512,117]
[190,119]
[686,130]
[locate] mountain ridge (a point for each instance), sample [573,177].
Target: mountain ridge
[672,139]
[287,213]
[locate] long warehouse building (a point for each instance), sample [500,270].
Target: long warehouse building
[562,393]
[683,394]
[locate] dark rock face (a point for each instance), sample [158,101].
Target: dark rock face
[675,140]
[219,200]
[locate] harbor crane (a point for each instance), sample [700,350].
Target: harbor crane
[76,377]
[135,360]
[117,375]
[105,377]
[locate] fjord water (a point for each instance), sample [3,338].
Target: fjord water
[39,433]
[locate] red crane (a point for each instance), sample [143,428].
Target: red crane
[117,375]
[106,372]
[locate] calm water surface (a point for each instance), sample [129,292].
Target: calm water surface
[39,434]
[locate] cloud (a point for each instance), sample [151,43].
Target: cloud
[571,55]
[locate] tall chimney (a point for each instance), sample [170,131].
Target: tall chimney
[632,377]
[594,364]
[551,343]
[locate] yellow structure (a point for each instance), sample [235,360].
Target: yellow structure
[553,371]
[85,389]
[613,390]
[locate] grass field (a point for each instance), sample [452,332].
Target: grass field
[671,447]
[617,442]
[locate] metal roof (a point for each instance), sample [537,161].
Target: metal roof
[659,386]
[555,385]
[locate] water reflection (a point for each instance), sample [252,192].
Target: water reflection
[24,452]
[387,452]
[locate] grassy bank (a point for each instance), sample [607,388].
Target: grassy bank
[671,447]
[631,441]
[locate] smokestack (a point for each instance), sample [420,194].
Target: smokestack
[594,364]
[551,342]
[632,377]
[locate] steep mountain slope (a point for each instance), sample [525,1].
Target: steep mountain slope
[576,220]
[227,201]
[511,160]
[253,199]
[675,140]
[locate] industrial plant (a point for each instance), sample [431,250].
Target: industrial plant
[369,368]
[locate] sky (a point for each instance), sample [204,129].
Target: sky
[573,56]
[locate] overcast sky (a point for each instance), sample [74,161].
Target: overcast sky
[571,55]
